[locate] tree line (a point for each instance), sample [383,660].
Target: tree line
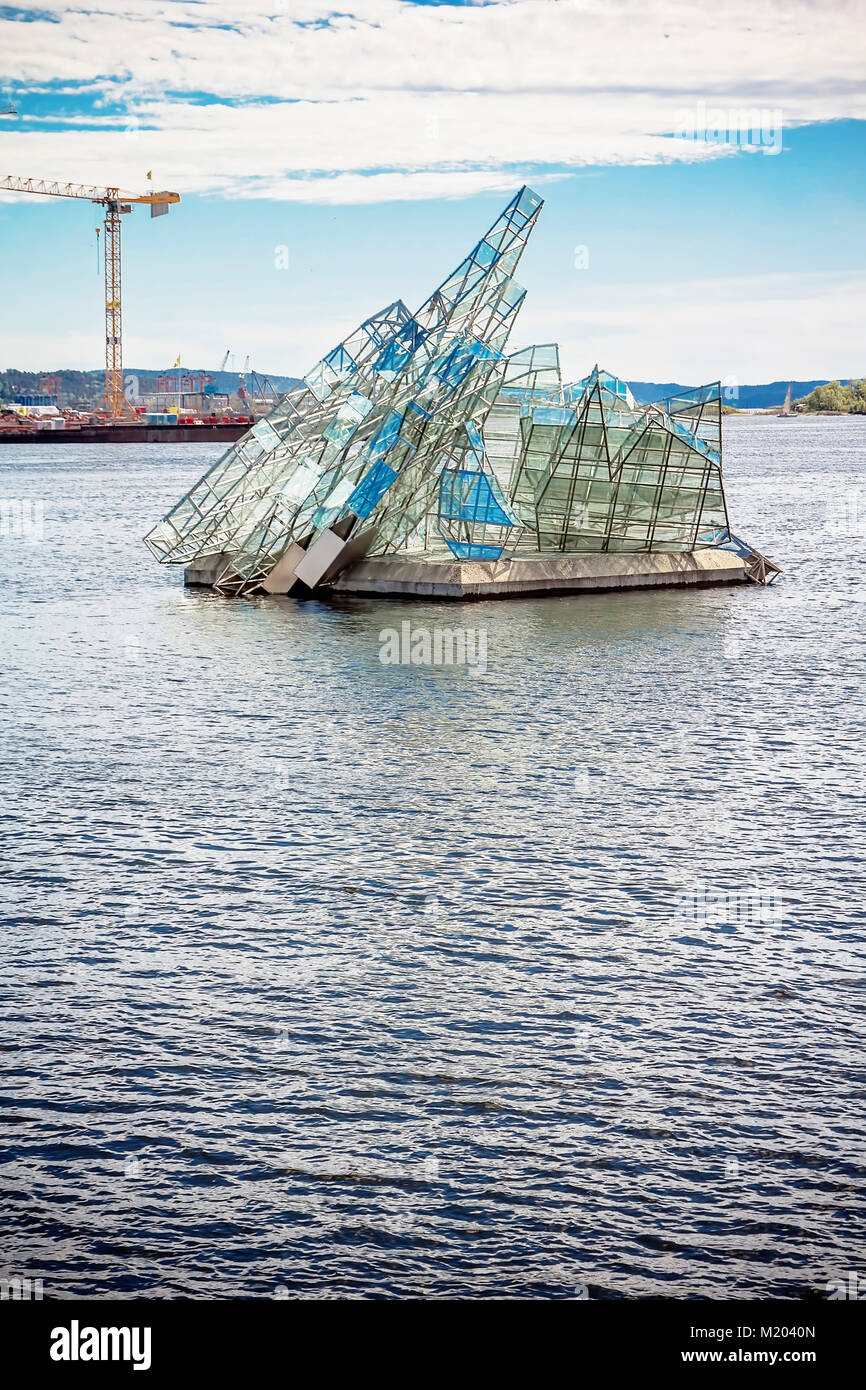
[849,399]
[79,390]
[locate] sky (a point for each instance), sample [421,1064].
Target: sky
[703,165]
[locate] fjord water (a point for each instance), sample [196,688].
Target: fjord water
[323,977]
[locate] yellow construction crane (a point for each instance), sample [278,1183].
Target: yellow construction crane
[115,204]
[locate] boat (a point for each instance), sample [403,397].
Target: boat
[786,413]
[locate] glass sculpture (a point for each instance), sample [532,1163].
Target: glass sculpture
[420,435]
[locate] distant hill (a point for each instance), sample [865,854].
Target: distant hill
[84,389]
[747,397]
[81,390]
[223,381]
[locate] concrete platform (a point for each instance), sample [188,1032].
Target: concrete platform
[203,571]
[436,577]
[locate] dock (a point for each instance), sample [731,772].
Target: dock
[127,434]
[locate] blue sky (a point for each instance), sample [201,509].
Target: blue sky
[370,149]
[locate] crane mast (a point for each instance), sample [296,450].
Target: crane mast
[115,401]
[115,205]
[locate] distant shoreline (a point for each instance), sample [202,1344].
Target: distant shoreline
[756,414]
[205,434]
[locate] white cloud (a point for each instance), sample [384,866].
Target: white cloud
[294,100]
[413,101]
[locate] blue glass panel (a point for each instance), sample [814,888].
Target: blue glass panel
[499,498]
[452,492]
[393,358]
[323,516]
[552,415]
[382,442]
[412,334]
[455,367]
[459,361]
[528,201]
[475,437]
[487,507]
[613,383]
[465,495]
[465,550]
[341,361]
[722,539]
[573,390]
[699,445]
[370,489]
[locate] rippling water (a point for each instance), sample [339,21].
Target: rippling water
[327,977]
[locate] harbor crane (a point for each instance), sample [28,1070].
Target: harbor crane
[116,204]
